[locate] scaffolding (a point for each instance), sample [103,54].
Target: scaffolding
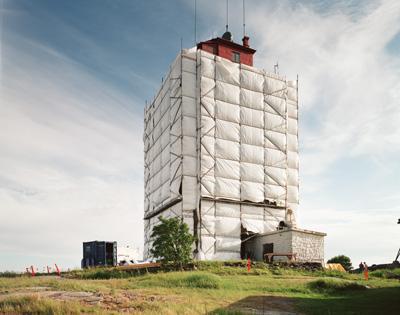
[221,151]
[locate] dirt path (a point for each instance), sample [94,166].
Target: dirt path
[266,305]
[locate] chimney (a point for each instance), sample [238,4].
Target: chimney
[246,41]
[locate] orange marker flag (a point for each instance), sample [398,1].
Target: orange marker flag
[58,270]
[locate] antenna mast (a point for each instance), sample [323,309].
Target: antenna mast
[195,22]
[244,18]
[227,8]
[276,68]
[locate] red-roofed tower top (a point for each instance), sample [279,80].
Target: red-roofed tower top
[226,48]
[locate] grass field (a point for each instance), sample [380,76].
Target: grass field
[212,289]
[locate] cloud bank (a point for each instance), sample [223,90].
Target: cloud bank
[70,159]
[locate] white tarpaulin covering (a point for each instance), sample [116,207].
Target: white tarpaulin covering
[228,133]
[170,141]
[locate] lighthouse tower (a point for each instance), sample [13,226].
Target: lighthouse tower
[221,152]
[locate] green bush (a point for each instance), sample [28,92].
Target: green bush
[9,274]
[172,242]
[334,286]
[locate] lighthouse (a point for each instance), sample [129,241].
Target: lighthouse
[221,153]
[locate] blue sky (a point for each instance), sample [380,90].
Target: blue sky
[75,76]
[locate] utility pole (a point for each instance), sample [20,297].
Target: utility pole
[398,252]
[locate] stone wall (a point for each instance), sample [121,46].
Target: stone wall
[309,247]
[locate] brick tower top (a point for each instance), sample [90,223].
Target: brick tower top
[226,48]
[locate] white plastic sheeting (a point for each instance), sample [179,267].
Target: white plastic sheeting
[248,140]
[170,147]
[222,137]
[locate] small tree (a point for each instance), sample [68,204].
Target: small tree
[172,241]
[343,260]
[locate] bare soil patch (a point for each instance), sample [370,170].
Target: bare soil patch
[267,305]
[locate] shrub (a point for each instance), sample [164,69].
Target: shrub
[172,241]
[9,274]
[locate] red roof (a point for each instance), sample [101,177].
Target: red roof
[225,42]
[227,49]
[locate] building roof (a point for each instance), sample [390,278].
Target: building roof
[221,41]
[293,229]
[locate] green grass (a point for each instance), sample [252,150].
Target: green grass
[335,286]
[99,273]
[54,283]
[370,301]
[203,281]
[215,288]
[35,305]
[200,280]
[386,273]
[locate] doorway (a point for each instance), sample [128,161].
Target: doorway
[268,248]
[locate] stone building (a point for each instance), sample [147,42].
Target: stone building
[307,246]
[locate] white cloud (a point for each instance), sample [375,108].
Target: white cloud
[70,159]
[349,82]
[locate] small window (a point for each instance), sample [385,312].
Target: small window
[236,57]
